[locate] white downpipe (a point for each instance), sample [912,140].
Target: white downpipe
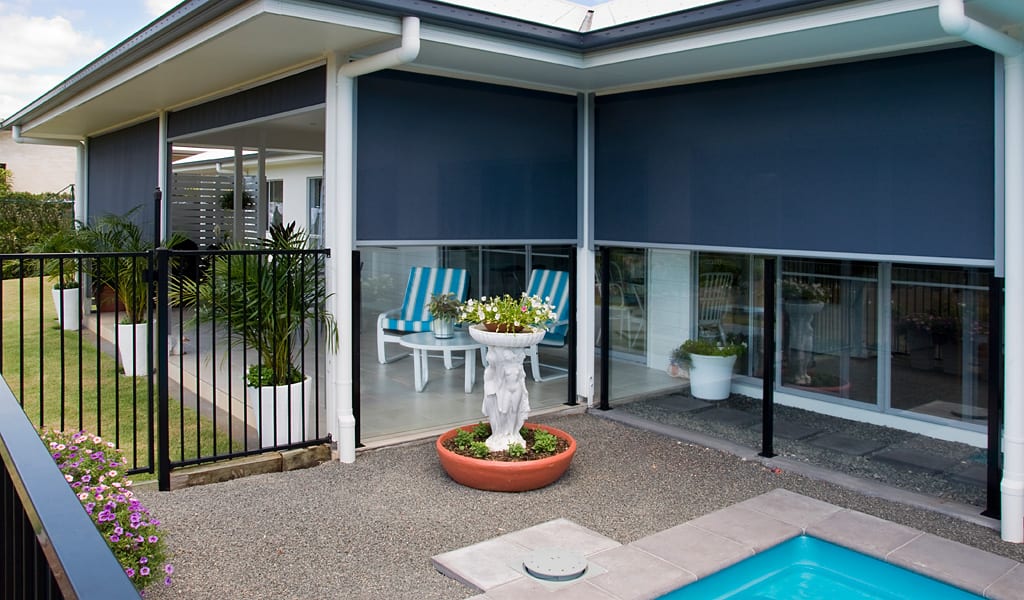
[955,21]
[341,236]
[79,146]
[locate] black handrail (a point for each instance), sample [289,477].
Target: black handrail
[50,546]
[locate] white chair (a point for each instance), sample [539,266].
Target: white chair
[413,316]
[552,286]
[713,295]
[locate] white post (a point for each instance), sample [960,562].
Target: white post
[162,179]
[339,234]
[1012,487]
[585,257]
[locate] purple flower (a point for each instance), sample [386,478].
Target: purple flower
[167,581]
[118,530]
[130,572]
[115,538]
[144,571]
[153,539]
[143,560]
[169,569]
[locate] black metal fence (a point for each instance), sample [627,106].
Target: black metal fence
[50,547]
[173,394]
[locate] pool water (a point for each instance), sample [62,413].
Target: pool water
[806,567]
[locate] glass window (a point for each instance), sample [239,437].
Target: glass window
[940,342]
[315,202]
[829,328]
[730,305]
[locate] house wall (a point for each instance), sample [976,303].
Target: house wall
[37,169]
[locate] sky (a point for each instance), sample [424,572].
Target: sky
[43,42]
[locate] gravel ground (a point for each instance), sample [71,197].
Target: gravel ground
[368,530]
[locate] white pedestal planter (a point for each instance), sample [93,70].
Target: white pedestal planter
[801,337]
[132,345]
[506,401]
[285,412]
[69,318]
[711,376]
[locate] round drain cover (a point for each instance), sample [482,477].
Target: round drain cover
[555,564]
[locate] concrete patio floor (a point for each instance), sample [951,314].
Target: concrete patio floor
[369,529]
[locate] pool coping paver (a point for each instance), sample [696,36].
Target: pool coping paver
[669,559]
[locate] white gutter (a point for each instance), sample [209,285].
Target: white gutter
[339,180]
[79,145]
[955,21]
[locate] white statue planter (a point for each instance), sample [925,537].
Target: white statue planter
[506,400]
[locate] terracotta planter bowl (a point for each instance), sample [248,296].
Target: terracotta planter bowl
[497,476]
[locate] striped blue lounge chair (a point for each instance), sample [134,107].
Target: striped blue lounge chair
[553,286]
[413,316]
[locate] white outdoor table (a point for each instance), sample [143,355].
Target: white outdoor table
[422,343]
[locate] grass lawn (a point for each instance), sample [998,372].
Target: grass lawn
[85,389]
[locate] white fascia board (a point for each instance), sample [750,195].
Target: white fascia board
[825,17]
[196,38]
[428,32]
[478,41]
[774,67]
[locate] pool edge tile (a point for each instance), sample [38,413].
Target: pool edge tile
[952,562]
[693,549]
[864,533]
[747,527]
[790,507]
[1007,587]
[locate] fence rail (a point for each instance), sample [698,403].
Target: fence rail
[50,547]
[174,394]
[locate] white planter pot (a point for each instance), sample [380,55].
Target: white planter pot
[69,318]
[443,328]
[133,345]
[711,376]
[286,413]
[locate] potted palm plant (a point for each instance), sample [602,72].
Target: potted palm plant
[64,271]
[128,277]
[268,300]
[710,365]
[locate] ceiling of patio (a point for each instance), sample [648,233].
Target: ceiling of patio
[242,48]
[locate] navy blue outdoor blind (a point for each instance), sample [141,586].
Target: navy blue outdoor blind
[892,156]
[446,159]
[124,171]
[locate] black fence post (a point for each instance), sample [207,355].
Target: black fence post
[994,475]
[572,337]
[163,420]
[606,334]
[768,362]
[357,301]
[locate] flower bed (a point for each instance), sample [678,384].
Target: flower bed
[95,470]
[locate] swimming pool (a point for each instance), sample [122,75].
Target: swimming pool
[807,567]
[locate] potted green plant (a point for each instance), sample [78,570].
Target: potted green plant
[268,301]
[444,308]
[710,366]
[64,271]
[128,277]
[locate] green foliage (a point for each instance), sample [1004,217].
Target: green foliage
[463,439]
[64,241]
[444,306]
[681,355]
[481,431]
[26,221]
[268,301]
[544,441]
[479,449]
[516,450]
[5,182]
